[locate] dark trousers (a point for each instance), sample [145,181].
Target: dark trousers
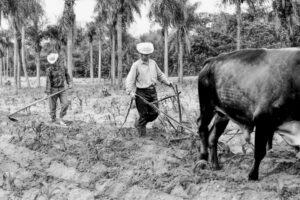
[146,112]
[63,102]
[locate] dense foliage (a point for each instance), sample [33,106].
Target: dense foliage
[211,35]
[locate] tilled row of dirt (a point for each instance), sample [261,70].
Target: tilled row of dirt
[88,161]
[91,159]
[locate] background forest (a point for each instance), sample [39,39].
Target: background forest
[104,48]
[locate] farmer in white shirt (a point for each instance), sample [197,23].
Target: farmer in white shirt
[141,80]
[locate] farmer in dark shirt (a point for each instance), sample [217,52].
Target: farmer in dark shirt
[56,77]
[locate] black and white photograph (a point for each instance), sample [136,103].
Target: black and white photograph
[149,99]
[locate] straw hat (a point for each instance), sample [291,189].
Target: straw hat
[145,48]
[52,58]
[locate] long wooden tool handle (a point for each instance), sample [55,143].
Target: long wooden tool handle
[37,101]
[165,98]
[171,118]
[126,116]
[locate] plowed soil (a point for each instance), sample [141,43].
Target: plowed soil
[92,159]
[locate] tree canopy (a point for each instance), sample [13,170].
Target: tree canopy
[200,35]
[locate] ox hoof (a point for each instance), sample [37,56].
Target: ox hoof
[253,177]
[201,164]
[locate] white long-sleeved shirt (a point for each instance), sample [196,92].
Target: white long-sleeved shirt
[144,74]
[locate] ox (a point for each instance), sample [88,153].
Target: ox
[256,88]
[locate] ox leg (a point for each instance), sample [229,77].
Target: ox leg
[204,120]
[263,133]
[270,142]
[220,124]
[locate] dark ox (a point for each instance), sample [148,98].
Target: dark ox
[256,88]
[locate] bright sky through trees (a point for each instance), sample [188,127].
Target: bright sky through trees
[84,10]
[84,13]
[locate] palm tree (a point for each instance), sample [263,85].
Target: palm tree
[238,18]
[100,59]
[101,24]
[30,9]
[125,9]
[9,46]
[120,11]
[113,55]
[238,4]
[67,23]
[17,11]
[10,9]
[164,13]
[1,13]
[285,11]
[2,53]
[23,55]
[58,40]
[119,14]
[91,32]
[104,6]
[6,45]
[35,35]
[185,19]
[56,36]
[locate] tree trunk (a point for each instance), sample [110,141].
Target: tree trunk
[180,59]
[15,56]
[70,53]
[4,68]
[38,68]
[100,61]
[91,62]
[239,21]
[113,57]
[166,67]
[7,62]
[24,56]
[65,55]
[1,70]
[120,54]
[19,70]
[293,42]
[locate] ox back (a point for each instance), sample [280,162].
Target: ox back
[255,88]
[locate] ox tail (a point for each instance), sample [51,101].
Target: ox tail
[205,85]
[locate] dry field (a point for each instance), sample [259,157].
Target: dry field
[91,159]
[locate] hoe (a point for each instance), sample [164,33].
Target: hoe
[33,103]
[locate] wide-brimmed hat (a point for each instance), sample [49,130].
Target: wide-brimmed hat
[145,48]
[52,58]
